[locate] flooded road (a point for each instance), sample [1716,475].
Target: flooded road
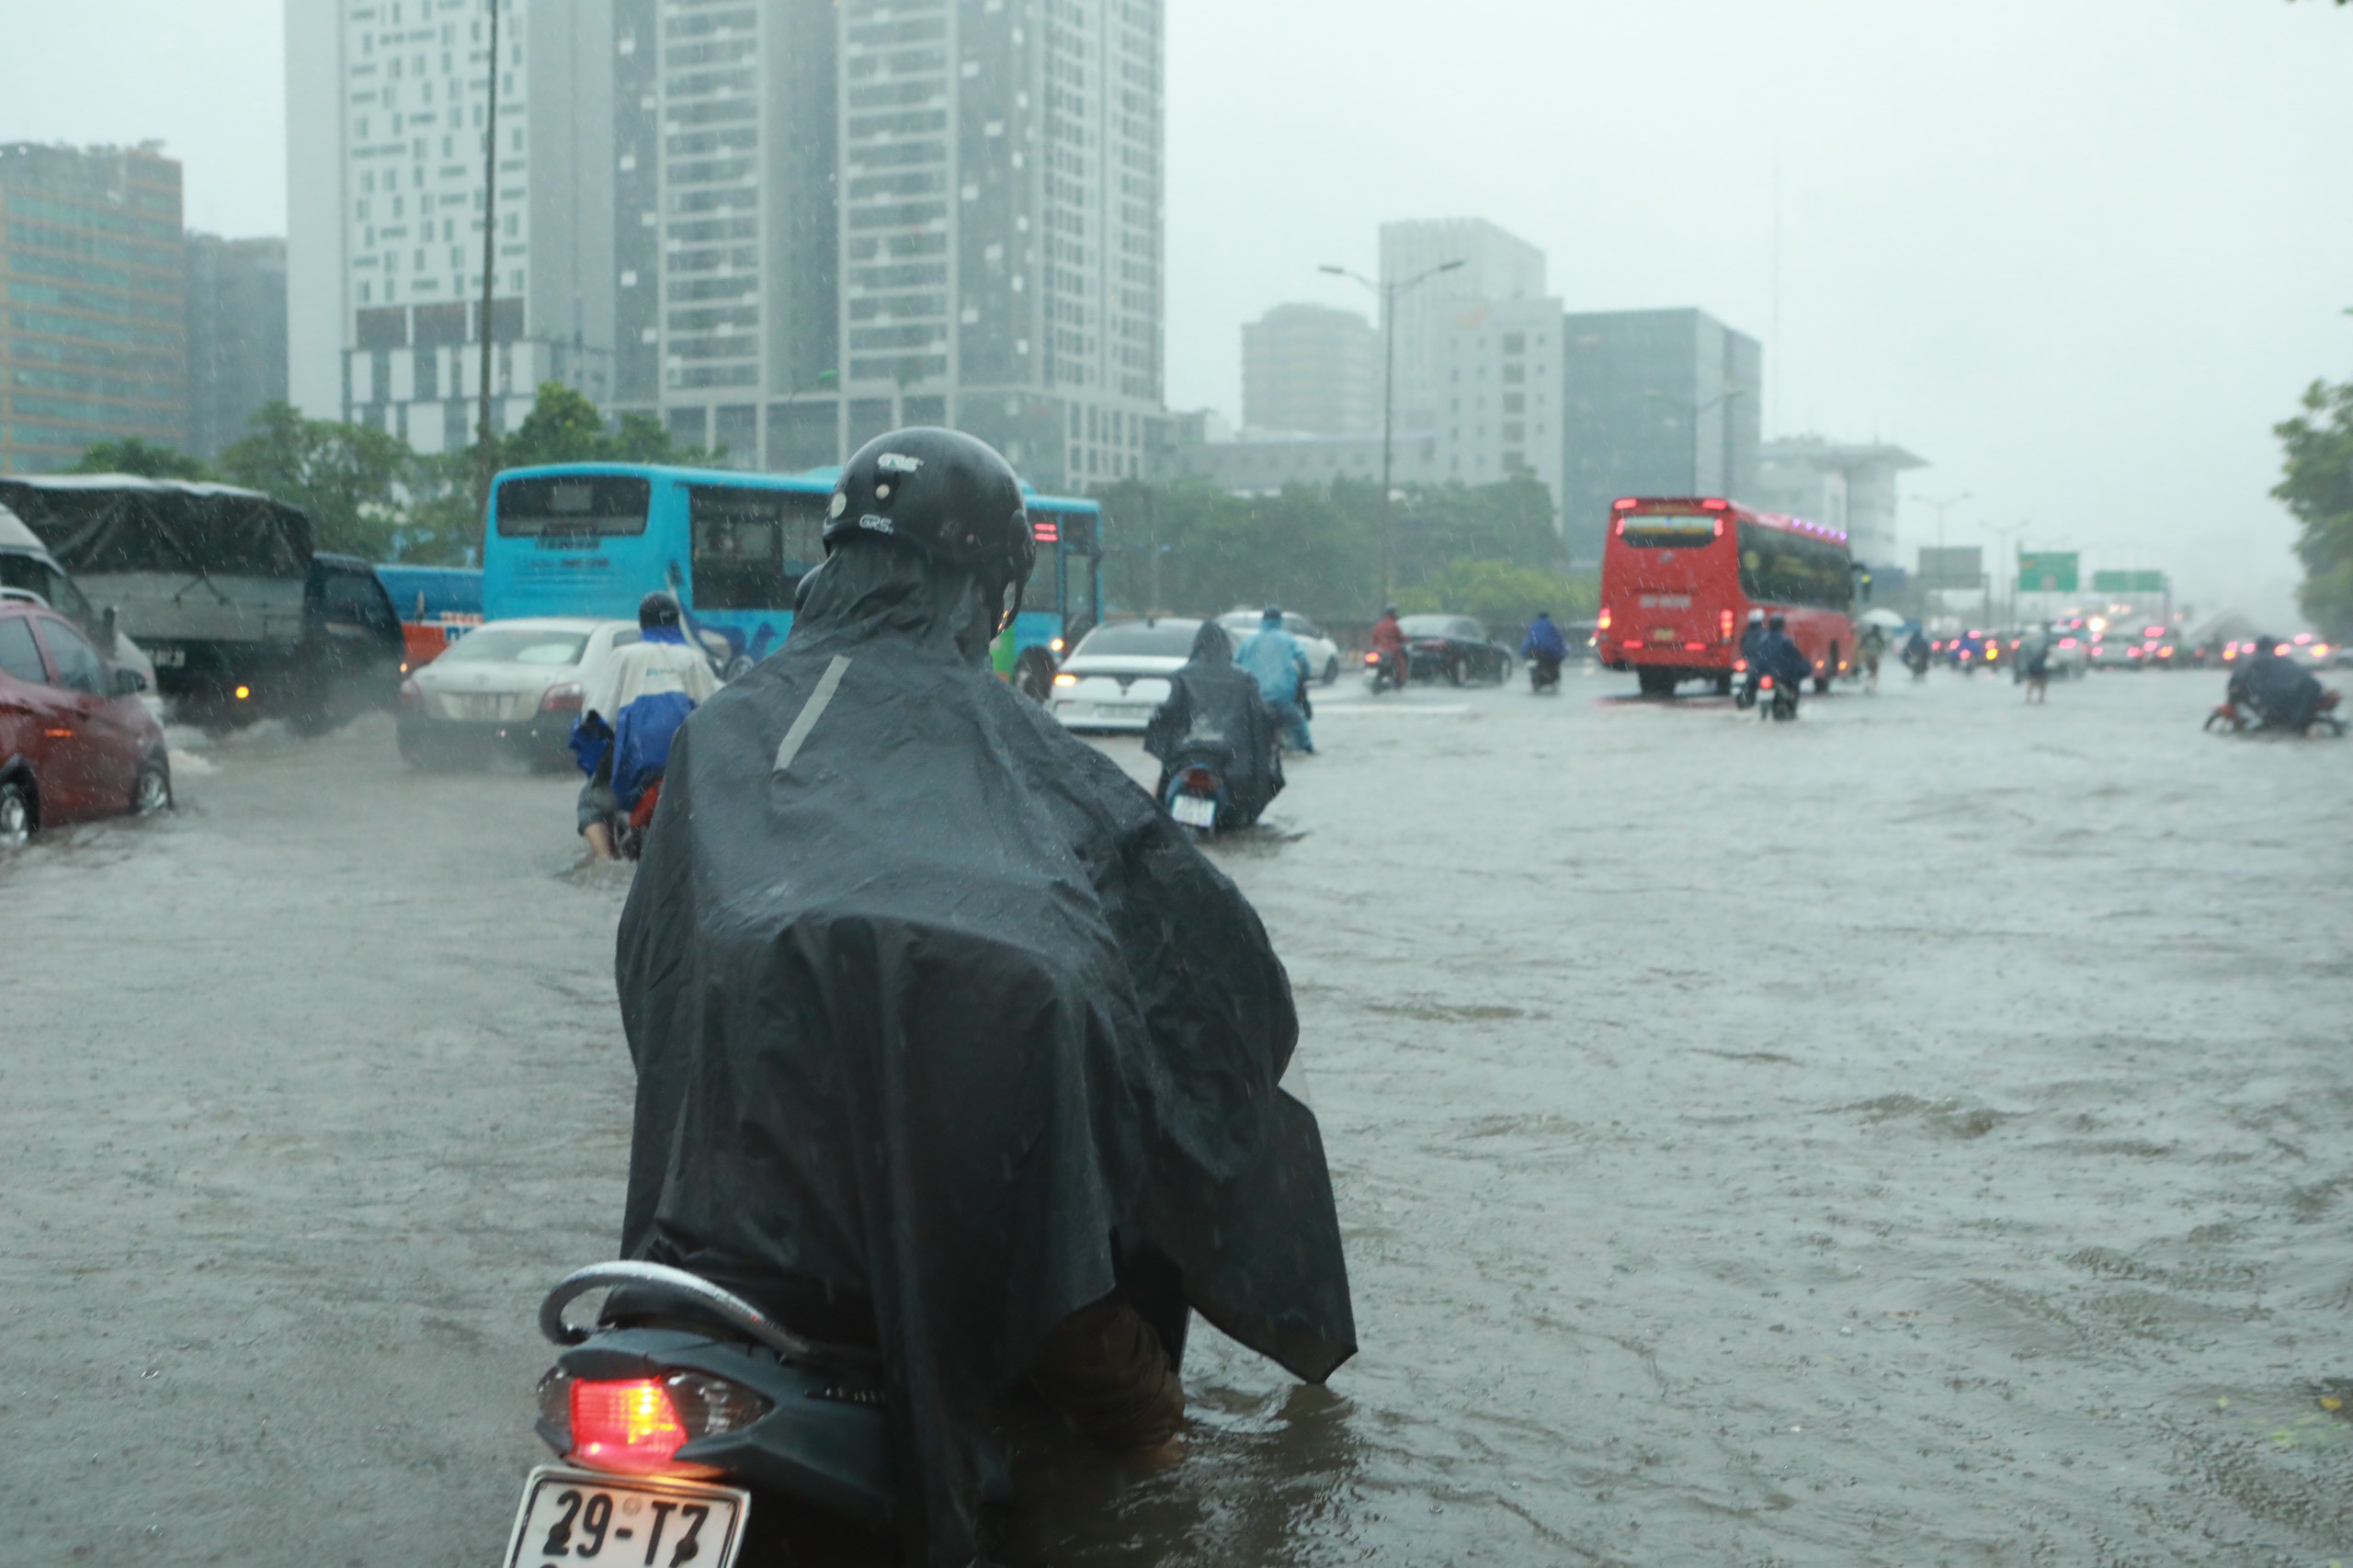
[1921,1134]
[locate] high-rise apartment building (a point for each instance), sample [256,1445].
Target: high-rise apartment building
[1310,370]
[880,212]
[1496,373]
[236,336]
[94,338]
[1657,402]
[1497,268]
[387,113]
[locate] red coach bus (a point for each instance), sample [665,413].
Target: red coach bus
[1679,578]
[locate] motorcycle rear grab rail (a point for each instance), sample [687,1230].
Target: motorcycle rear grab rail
[731,1308]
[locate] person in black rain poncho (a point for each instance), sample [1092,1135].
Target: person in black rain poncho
[944,1036]
[1214,714]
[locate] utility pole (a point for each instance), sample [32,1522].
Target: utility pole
[485,445]
[1387,293]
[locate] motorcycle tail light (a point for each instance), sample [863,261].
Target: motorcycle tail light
[1373,658]
[565,698]
[636,1426]
[1765,683]
[1199,779]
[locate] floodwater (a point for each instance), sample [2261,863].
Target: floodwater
[1919,1135]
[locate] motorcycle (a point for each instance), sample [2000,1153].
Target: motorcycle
[1196,796]
[1918,665]
[678,1421]
[1775,700]
[1387,672]
[2240,716]
[629,826]
[1544,677]
[1744,695]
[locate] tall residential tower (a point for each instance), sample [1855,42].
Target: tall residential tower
[387,112]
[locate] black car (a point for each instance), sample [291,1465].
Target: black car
[1454,649]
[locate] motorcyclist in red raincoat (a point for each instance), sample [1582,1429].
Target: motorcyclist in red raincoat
[1388,643]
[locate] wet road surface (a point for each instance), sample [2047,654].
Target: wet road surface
[1922,1134]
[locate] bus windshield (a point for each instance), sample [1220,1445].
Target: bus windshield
[599,504]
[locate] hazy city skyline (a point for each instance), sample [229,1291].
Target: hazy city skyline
[2081,255]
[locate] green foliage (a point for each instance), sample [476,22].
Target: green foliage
[345,476]
[564,426]
[134,456]
[1191,546]
[2317,487]
[1500,594]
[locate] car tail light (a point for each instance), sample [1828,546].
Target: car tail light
[1601,622]
[1723,625]
[565,698]
[636,1426]
[411,694]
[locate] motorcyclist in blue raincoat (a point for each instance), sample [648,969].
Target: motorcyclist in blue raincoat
[1778,655]
[1277,662]
[631,713]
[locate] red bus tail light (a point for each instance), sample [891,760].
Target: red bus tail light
[1715,505]
[1695,647]
[1630,642]
[1723,625]
[1602,623]
[1624,503]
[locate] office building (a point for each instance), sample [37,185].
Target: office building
[93,340]
[874,214]
[236,336]
[387,111]
[1655,402]
[1265,465]
[1497,268]
[1497,381]
[1310,370]
[1840,485]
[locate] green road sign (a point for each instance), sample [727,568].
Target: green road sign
[2046,571]
[2128,582]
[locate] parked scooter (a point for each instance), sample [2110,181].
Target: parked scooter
[1545,675]
[1775,700]
[692,1410]
[1387,672]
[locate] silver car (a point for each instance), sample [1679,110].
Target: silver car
[508,686]
[1323,654]
[1119,674]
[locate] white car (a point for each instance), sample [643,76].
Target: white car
[1118,673]
[506,684]
[1323,654]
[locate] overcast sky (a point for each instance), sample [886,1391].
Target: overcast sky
[2079,254]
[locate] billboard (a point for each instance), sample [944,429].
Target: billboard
[2128,582]
[1963,566]
[2046,571]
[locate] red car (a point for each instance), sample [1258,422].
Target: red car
[75,741]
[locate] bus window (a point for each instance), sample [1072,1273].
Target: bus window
[574,504]
[1781,568]
[751,547]
[1663,531]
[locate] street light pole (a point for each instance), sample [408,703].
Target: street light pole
[1387,293]
[487,448]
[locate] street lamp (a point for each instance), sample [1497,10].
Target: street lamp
[1389,293]
[1698,410]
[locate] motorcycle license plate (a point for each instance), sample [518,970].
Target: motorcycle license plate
[1194,811]
[571,1516]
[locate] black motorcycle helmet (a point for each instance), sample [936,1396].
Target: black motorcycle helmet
[1777,623]
[657,608]
[946,494]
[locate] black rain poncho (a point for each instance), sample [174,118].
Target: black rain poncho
[1213,710]
[927,1001]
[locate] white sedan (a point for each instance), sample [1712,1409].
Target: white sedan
[507,685]
[1323,654]
[1118,673]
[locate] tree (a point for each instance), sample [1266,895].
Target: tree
[348,477]
[131,455]
[2317,487]
[1504,595]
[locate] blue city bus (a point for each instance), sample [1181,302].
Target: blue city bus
[592,538]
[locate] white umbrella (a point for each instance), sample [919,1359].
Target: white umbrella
[1886,618]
